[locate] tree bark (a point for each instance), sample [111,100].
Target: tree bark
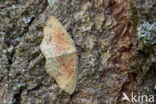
[110,60]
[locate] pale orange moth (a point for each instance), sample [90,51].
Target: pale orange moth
[61,55]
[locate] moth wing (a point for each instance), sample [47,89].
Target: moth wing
[61,55]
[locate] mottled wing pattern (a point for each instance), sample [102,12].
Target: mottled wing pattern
[61,56]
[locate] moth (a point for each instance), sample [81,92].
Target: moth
[61,55]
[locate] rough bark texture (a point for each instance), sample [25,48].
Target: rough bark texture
[112,59]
